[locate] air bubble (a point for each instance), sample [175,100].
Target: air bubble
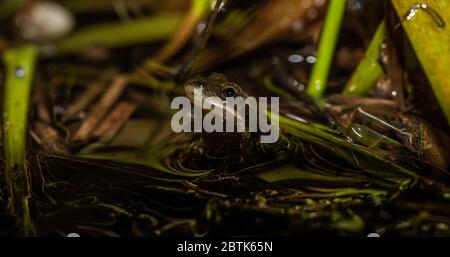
[295,58]
[20,72]
[311,59]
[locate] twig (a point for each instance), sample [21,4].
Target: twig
[115,121]
[198,9]
[42,103]
[99,110]
[359,101]
[83,101]
[49,138]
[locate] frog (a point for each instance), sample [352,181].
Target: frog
[225,147]
[384,127]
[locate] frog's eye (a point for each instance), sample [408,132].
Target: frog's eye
[229,92]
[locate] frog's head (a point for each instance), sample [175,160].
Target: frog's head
[215,90]
[216,85]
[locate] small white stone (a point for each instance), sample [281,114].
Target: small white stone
[45,21]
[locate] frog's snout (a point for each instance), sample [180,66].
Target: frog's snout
[189,91]
[193,89]
[189,88]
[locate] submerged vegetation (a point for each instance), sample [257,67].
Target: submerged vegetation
[364,117]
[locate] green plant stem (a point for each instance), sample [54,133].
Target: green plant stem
[269,85]
[113,35]
[20,67]
[369,70]
[327,46]
[431,42]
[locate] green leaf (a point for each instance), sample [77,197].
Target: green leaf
[429,32]
[20,66]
